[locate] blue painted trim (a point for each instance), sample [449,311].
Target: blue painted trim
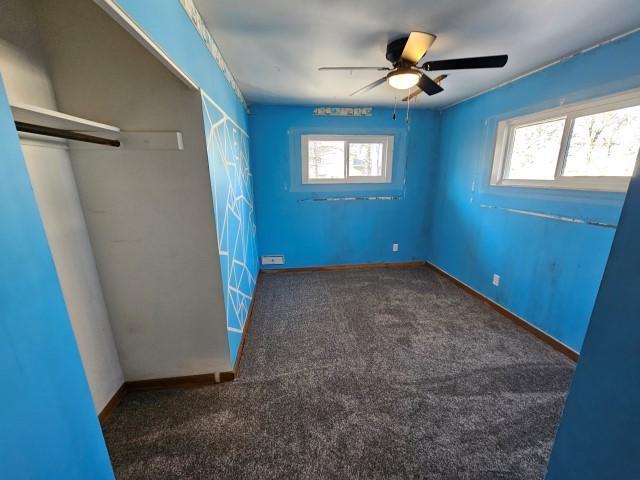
[396,186]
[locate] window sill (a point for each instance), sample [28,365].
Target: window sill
[350,182]
[350,199]
[578,184]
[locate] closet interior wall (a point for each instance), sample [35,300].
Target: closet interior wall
[131,229]
[149,210]
[27,80]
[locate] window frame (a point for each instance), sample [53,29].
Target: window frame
[387,158]
[505,137]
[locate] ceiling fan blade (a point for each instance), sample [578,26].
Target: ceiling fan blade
[494,61]
[417,45]
[324,69]
[428,86]
[371,86]
[419,90]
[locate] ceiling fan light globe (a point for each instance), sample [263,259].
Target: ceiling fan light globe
[403,79]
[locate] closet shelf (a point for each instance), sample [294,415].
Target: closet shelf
[52,119]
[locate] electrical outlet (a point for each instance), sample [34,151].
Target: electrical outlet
[496,279]
[273,260]
[395,247]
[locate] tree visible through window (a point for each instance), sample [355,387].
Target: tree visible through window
[326,159]
[594,145]
[365,159]
[535,150]
[604,144]
[346,159]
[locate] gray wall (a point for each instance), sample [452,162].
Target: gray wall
[149,212]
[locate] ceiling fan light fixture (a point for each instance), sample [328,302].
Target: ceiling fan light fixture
[403,78]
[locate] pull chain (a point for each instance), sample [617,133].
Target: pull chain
[407,119]
[395,106]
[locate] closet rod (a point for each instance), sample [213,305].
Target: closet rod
[56,132]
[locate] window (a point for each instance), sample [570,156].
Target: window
[587,146]
[346,159]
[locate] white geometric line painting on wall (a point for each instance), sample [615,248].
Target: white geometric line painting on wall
[231,182]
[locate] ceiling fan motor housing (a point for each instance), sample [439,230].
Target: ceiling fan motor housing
[405,52]
[394,51]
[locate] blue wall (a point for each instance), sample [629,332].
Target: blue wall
[231,180]
[314,233]
[447,213]
[550,269]
[168,24]
[598,435]
[48,424]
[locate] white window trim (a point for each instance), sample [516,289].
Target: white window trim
[505,137]
[386,140]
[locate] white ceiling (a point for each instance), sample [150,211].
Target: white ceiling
[274,47]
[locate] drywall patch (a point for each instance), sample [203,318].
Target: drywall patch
[231,181]
[343,111]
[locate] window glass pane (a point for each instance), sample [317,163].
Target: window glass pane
[365,159]
[535,151]
[326,160]
[604,144]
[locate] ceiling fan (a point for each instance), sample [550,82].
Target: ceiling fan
[404,54]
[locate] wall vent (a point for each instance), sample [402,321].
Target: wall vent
[272,259]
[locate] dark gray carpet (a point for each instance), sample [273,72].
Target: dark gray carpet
[381,373]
